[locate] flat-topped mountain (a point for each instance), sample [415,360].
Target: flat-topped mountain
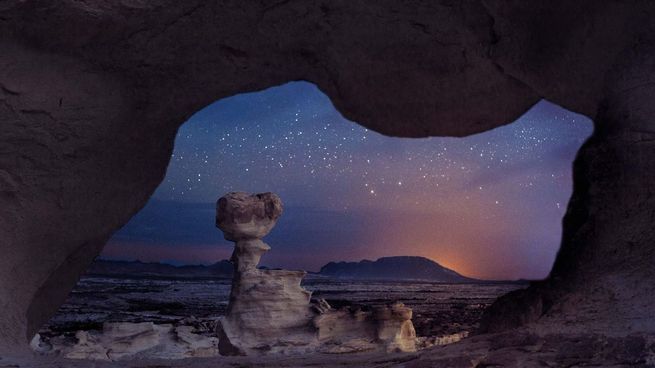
[393,268]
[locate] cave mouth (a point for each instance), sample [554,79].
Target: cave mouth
[487,206]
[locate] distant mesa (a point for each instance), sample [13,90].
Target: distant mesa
[409,268]
[394,268]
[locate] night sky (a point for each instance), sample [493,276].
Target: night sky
[488,205]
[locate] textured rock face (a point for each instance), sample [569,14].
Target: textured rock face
[124,340]
[269,312]
[395,328]
[268,309]
[242,216]
[91,94]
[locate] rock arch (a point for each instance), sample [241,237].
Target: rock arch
[91,95]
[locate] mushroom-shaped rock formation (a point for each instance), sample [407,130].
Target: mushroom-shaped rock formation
[128,340]
[267,308]
[269,312]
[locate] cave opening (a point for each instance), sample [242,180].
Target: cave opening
[487,206]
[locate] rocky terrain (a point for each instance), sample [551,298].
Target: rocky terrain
[442,313]
[128,340]
[270,312]
[513,349]
[439,309]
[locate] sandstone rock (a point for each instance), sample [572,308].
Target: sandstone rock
[269,312]
[268,309]
[395,328]
[242,216]
[196,345]
[337,327]
[122,340]
[389,327]
[515,349]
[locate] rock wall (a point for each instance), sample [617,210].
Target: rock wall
[602,278]
[92,93]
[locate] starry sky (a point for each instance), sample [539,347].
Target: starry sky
[488,205]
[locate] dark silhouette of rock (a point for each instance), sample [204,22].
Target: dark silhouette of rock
[393,268]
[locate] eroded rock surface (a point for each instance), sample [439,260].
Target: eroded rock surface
[124,340]
[514,349]
[268,309]
[269,312]
[348,331]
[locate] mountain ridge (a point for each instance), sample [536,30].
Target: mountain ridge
[398,268]
[394,268]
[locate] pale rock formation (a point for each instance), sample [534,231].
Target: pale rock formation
[92,133]
[395,328]
[122,340]
[269,312]
[387,327]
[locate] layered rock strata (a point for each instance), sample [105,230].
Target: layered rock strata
[269,312]
[267,308]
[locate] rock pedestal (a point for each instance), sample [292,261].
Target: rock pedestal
[268,309]
[269,312]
